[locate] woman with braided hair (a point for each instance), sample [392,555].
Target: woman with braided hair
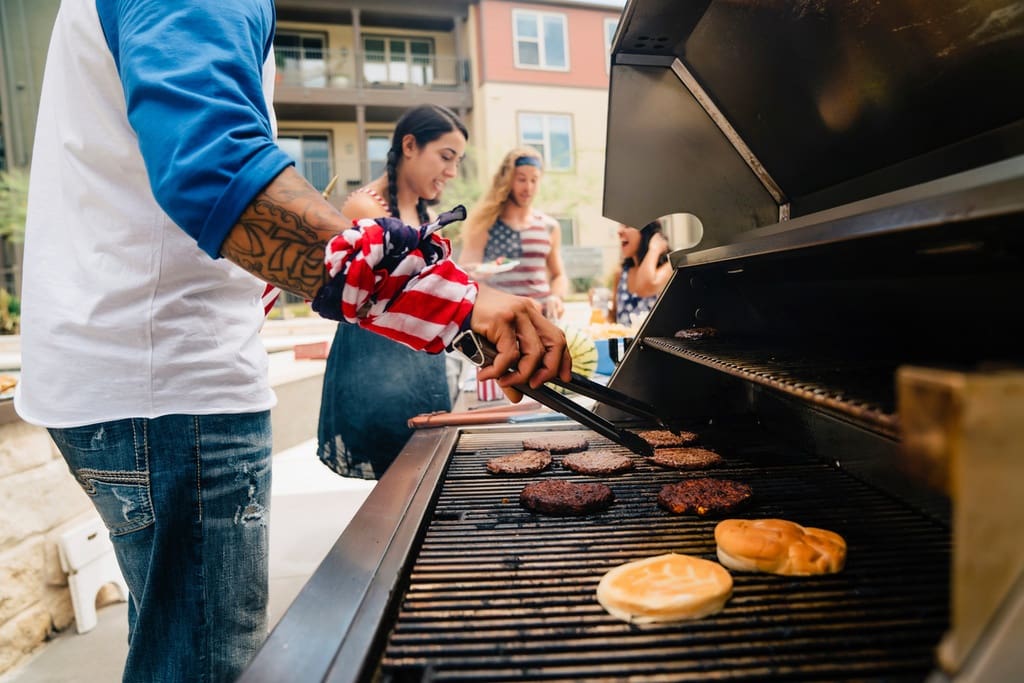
[373,385]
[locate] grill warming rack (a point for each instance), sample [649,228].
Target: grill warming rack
[859,390]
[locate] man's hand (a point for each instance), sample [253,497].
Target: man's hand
[525,340]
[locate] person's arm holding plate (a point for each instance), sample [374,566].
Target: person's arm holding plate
[472,254]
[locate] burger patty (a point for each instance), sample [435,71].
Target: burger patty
[697,333]
[525,462]
[661,438]
[597,462]
[703,496]
[686,458]
[563,498]
[556,443]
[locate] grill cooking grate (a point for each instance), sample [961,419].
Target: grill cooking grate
[500,594]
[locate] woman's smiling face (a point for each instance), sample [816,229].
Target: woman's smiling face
[629,241]
[429,168]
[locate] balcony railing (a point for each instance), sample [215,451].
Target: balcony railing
[336,68]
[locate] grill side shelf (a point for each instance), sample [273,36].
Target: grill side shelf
[854,390]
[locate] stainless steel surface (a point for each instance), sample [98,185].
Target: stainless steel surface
[837,101]
[982,194]
[709,106]
[665,155]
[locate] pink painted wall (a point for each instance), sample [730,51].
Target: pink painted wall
[586,46]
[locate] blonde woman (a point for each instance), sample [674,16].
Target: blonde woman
[504,228]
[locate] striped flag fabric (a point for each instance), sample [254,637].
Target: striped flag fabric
[389,279]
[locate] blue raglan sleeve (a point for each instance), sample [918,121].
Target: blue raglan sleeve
[192,72]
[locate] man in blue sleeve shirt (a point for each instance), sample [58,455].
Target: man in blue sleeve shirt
[159,204]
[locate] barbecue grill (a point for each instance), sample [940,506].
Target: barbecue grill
[858,171]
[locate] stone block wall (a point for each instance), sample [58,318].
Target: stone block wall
[39,500]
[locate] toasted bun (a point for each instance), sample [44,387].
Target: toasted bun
[777,546]
[667,587]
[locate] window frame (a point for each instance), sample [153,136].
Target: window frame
[302,134]
[318,66]
[409,57]
[608,40]
[546,142]
[376,134]
[572,227]
[302,34]
[541,52]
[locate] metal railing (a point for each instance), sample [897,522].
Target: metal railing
[336,68]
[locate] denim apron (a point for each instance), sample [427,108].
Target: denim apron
[372,386]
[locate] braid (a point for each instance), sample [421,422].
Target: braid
[393,183]
[421,204]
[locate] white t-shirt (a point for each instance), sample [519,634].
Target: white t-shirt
[126,312]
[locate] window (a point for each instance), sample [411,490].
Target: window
[541,40]
[301,58]
[312,154]
[398,60]
[568,231]
[551,135]
[377,146]
[610,26]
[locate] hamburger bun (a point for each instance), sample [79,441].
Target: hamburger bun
[668,587]
[778,546]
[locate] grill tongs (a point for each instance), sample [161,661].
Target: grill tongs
[481,353]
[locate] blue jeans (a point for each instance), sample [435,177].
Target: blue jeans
[187,501]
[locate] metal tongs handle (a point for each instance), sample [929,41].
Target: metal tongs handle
[602,394]
[457,213]
[563,404]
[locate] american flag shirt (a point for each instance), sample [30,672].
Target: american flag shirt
[530,246]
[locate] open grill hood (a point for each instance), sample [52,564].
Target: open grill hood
[748,112]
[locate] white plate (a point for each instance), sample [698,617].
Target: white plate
[493,268]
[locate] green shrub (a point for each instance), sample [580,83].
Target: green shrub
[10,313]
[13,204]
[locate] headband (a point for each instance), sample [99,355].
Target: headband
[527,160]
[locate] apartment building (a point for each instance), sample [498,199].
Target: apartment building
[533,73]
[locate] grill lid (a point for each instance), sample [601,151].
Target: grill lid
[772,109]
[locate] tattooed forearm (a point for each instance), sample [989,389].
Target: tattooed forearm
[280,237]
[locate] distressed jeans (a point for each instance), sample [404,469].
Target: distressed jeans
[187,501]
